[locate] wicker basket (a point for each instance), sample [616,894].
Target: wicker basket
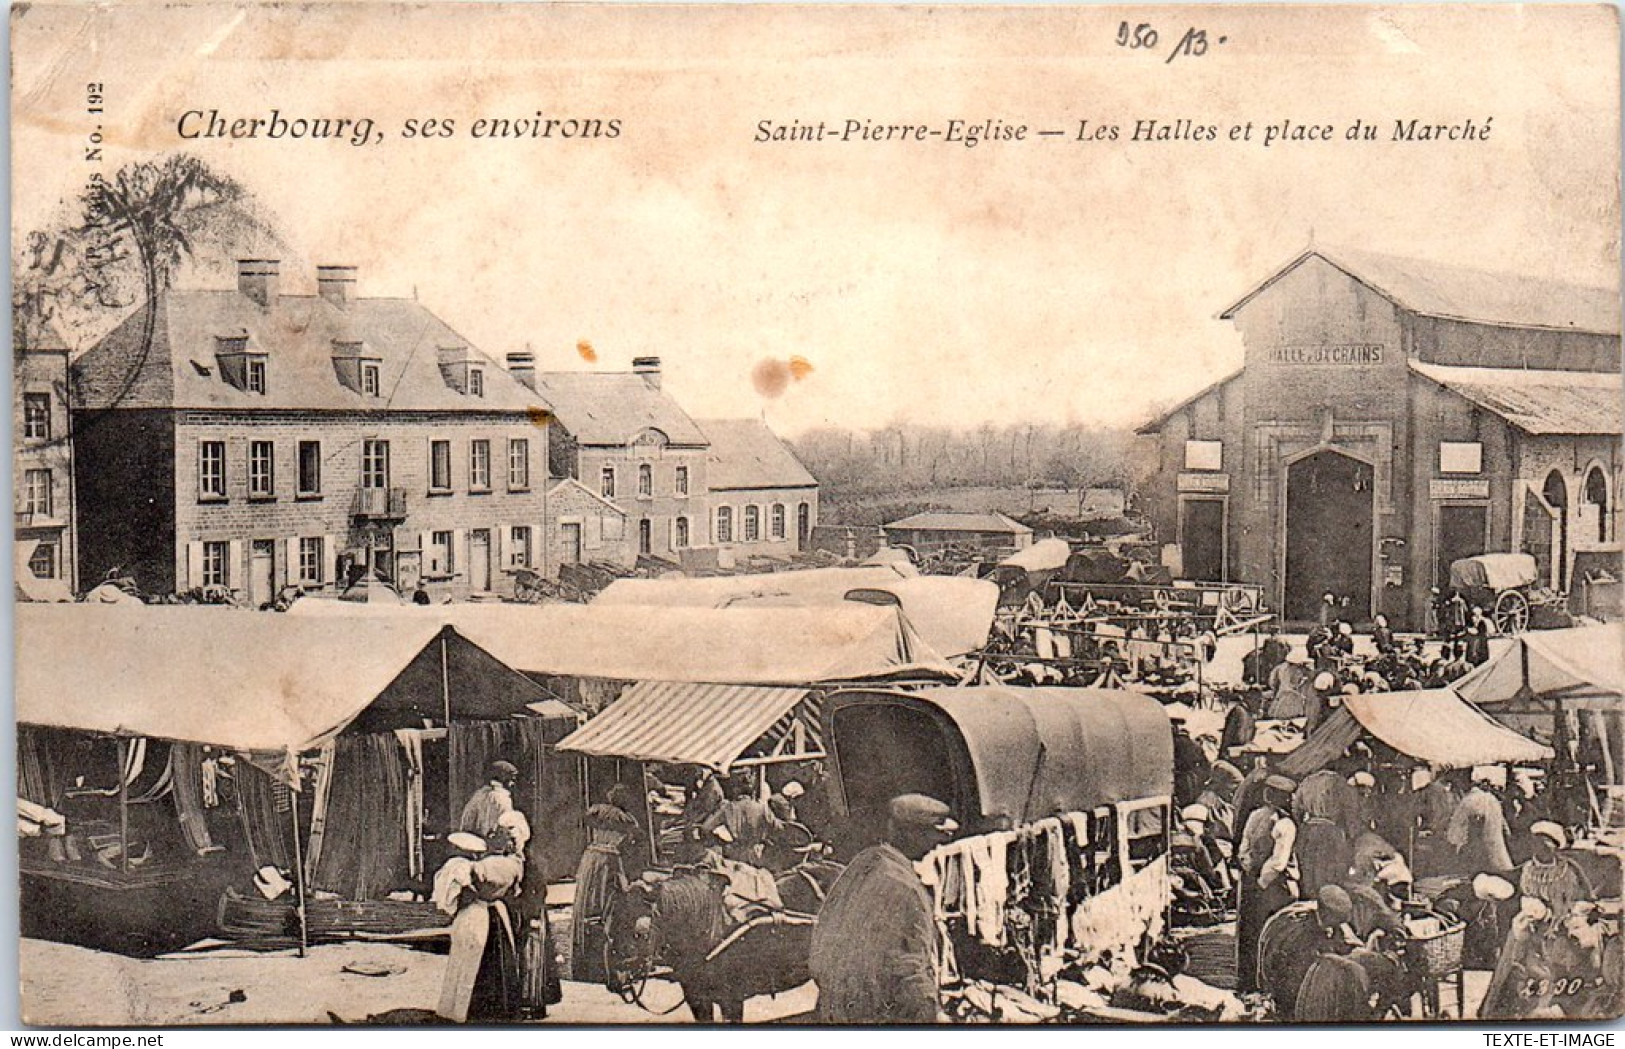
[1440,954]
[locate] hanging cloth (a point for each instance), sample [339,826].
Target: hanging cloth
[411,741]
[319,797]
[186,777]
[267,830]
[364,849]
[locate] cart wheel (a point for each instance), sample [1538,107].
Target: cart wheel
[1511,613]
[1238,600]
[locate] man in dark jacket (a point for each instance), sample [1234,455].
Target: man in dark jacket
[874,949]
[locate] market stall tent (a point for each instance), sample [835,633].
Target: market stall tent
[269,686]
[1435,726]
[953,615]
[1582,666]
[709,725]
[741,646]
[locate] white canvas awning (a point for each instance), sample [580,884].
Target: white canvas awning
[266,684]
[1438,726]
[710,725]
[1583,667]
[739,646]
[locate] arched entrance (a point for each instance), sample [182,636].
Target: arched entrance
[1329,528]
[1556,493]
[1596,497]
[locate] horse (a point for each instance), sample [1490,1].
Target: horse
[680,922]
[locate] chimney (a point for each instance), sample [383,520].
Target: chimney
[522,366]
[649,368]
[336,284]
[257,278]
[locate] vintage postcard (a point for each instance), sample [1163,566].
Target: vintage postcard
[627,514]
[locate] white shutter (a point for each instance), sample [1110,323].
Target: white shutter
[330,557]
[287,565]
[426,565]
[235,572]
[497,546]
[194,566]
[461,557]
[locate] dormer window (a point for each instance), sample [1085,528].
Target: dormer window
[476,382]
[371,381]
[241,363]
[358,367]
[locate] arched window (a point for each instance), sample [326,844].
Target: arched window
[1596,496]
[725,524]
[646,480]
[645,536]
[753,524]
[776,521]
[680,534]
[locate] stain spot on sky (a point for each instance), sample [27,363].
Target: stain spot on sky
[772,377]
[588,354]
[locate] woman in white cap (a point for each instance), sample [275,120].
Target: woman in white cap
[476,886]
[1553,879]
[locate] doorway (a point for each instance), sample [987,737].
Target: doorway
[1463,532]
[262,572]
[1201,539]
[803,526]
[645,536]
[479,559]
[1556,494]
[570,535]
[1329,527]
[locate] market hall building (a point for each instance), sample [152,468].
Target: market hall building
[1392,416]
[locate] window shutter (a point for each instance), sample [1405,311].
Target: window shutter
[194,565]
[498,544]
[330,557]
[426,552]
[671,533]
[461,556]
[287,562]
[234,564]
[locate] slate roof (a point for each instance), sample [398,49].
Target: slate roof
[611,408]
[1538,401]
[945,521]
[1461,293]
[296,334]
[746,454]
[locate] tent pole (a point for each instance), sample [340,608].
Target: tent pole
[299,873]
[445,683]
[124,806]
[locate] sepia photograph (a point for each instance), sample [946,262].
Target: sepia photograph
[614,514]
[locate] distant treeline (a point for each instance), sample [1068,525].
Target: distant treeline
[913,456]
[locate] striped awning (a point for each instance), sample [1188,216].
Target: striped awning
[695,724]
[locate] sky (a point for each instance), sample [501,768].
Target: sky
[1046,280]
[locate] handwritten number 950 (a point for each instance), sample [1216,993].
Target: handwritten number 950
[1144,37]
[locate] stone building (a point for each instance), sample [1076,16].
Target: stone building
[1393,416]
[763,501]
[43,469]
[628,440]
[256,439]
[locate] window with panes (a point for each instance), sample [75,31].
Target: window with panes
[216,563]
[261,469]
[310,560]
[753,524]
[725,524]
[37,493]
[519,546]
[375,464]
[680,538]
[43,561]
[37,416]
[440,466]
[681,482]
[776,521]
[211,470]
[310,467]
[518,464]
[479,465]
[606,482]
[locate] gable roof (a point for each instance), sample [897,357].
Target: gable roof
[746,454]
[296,335]
[572,483]
[1538,401]
[1460,293]
[1156,424]
[611,408]
[949,521]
